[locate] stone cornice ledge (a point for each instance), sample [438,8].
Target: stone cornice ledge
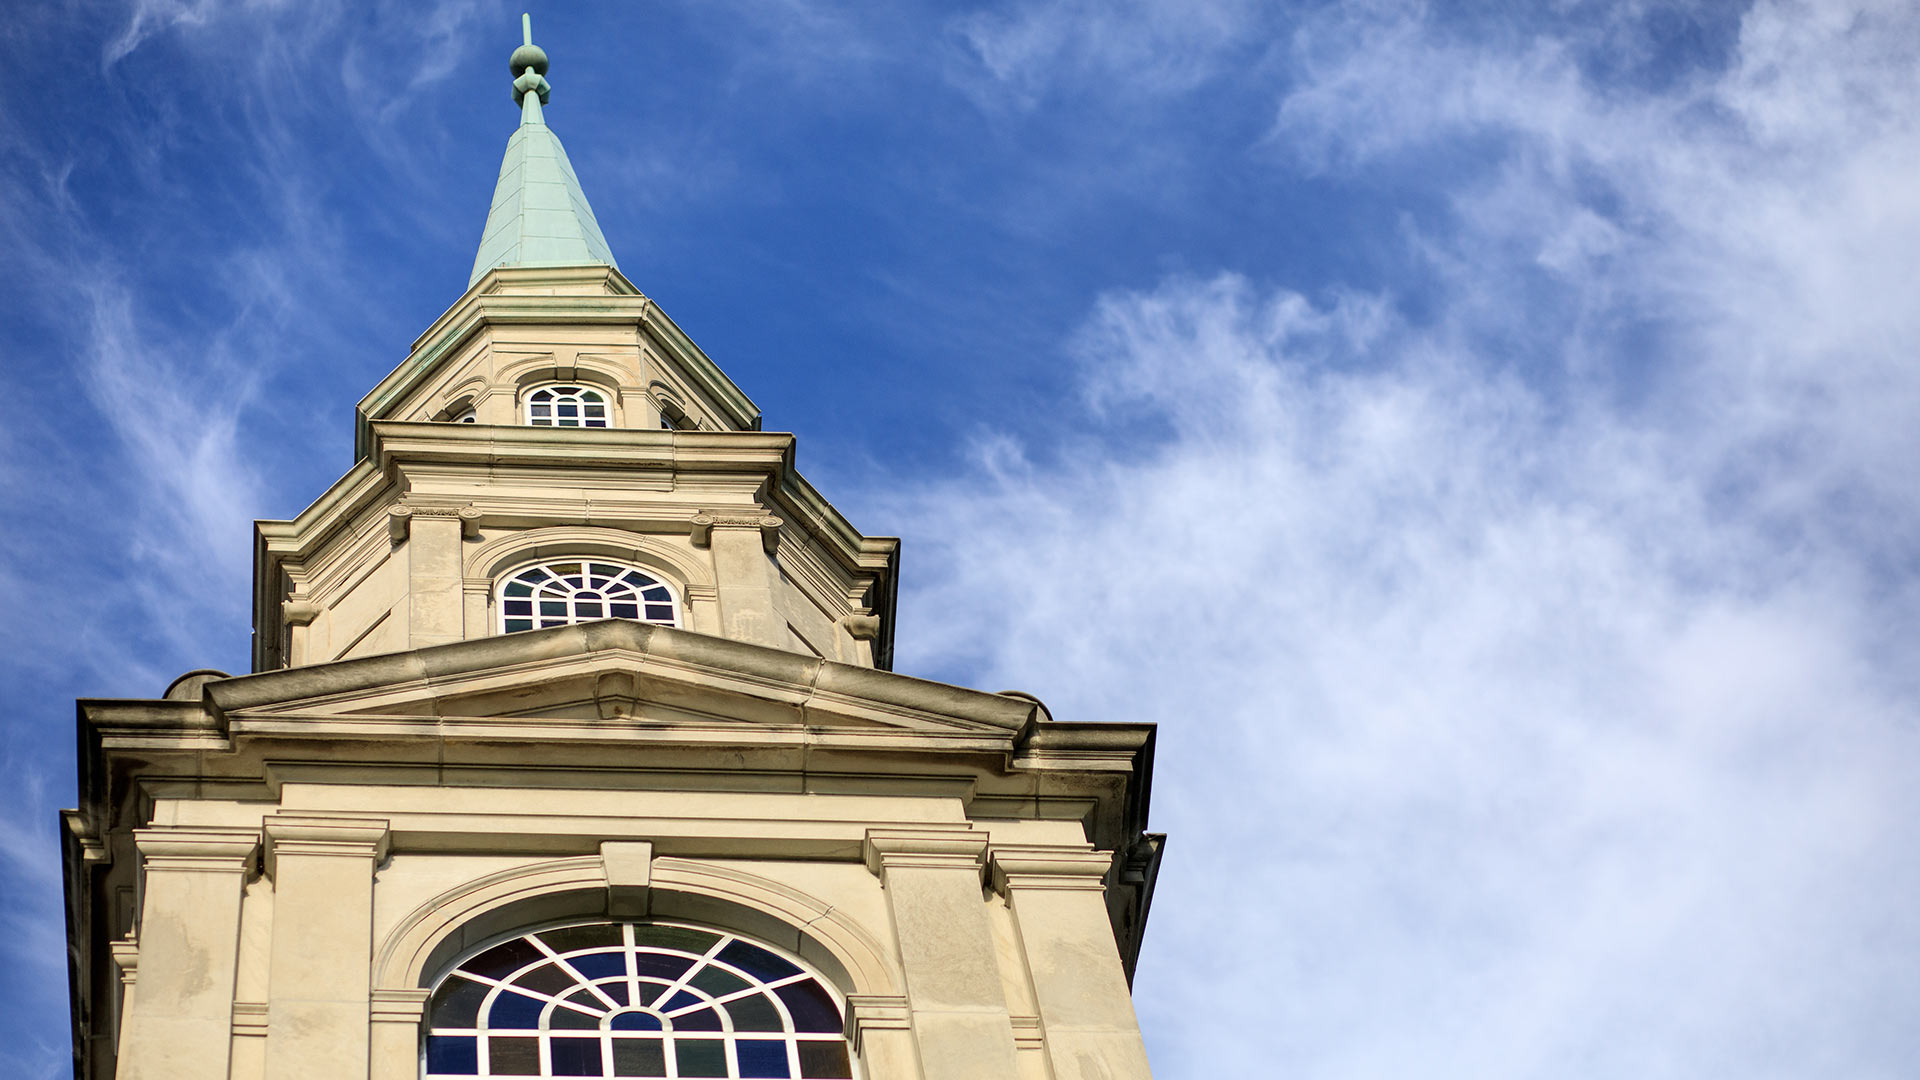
[809,683]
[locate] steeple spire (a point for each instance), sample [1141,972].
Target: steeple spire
[540,217]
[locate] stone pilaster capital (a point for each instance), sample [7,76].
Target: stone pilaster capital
[300,835]
[706,521]
[876,1012]
[250,1019]
[398,1006]
[1017,867]
[196,848]
[924,849]
[126,957]
[400,516]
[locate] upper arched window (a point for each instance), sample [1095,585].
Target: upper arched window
[582,590]
[567,405]
[645,999]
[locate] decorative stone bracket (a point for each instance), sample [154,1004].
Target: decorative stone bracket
[862,625]
[398,518]
[299,612]
[705,522]
[629,869]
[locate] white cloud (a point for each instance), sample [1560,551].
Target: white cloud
[1532,680]
[177,410]
[1136,47]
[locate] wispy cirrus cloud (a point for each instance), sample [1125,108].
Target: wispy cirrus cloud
[1139,48]
[1531,663]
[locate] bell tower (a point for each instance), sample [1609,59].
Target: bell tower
[572,748]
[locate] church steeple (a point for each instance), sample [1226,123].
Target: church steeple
[540,217]
[571,749]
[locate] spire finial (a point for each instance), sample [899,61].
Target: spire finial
[540,217]
[529,67]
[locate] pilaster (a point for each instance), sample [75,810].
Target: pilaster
[126,962]
[880,1026]
[1058,898]
[932,880]
[395,1026]
[322,945]
[180,1024]
[743,571]
[436,598]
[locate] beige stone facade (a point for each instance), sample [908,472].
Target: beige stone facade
[270,874]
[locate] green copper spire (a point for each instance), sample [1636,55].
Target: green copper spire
[540,217]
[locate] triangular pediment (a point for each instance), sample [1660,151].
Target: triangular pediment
[620,670]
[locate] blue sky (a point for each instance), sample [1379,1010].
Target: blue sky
[1482,436]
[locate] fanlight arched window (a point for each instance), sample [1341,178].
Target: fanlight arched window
[643,999]
[575,591]
[567,405]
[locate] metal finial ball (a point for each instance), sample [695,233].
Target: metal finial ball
[527,56]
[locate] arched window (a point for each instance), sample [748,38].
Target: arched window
[567,405]
[643,999]
[576,591]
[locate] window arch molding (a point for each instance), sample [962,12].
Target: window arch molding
[462,409]
[427,941]
[572,589]
[491,560]
[460,397]
[586,371]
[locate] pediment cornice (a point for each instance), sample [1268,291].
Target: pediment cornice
[680,672]
[573,296]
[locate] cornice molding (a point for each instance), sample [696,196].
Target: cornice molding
[799,687]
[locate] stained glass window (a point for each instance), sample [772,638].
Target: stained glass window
[567,406]
[641,999]
[561,593]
